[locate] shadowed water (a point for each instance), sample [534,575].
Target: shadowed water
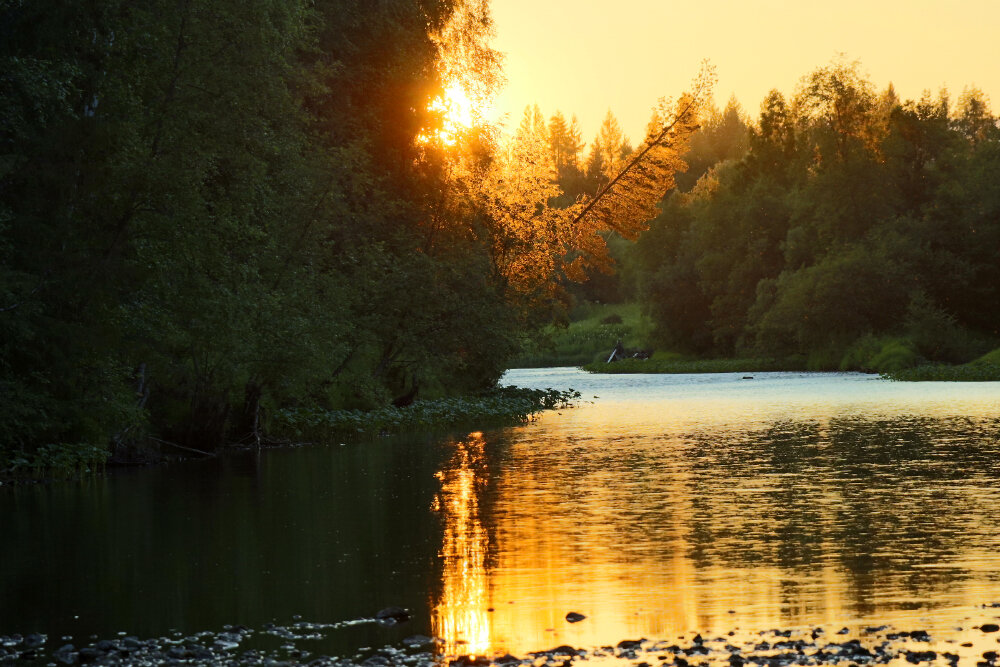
[661,506]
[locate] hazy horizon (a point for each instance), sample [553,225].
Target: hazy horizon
[573,58]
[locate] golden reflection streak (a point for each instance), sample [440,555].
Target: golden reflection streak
[613,538]
[460,617]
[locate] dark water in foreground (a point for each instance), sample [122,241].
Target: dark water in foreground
[670,505]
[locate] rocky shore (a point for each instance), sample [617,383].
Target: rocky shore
[771,648]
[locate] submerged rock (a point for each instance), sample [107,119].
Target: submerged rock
[574,617]
[417,641]
[392,615]
[471,661]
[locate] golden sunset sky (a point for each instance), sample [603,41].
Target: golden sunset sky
[586,56]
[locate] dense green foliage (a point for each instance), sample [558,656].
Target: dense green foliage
[210,212]
[853,230]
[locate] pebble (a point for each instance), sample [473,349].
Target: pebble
[776,648]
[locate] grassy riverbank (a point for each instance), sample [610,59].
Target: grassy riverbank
[895,358]
[984,369]
[976,371]
[589,337]
[678,364]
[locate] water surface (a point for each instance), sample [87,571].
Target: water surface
[662,506]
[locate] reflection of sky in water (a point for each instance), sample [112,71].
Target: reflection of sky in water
[675,504]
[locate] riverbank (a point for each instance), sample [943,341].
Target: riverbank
[984,369]
[502,405]
[294,426]
[678,366]
[289,644]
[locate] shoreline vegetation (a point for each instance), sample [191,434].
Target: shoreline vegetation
[502,406]
[971,372]
[587,342]
[499,407]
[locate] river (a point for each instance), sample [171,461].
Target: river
[659,507]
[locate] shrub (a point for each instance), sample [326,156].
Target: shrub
[990,358]
[896,354]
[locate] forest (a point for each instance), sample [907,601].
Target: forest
[842,229]
[215,214]
[845,227]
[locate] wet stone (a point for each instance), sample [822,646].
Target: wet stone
[105,646]
[470,661]
[89,654]
[392,615]
[417,641]
[916,657]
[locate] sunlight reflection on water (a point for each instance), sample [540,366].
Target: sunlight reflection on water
[713,503]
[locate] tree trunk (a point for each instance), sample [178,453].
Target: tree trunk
[247,428]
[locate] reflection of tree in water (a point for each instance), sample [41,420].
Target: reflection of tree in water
[874,498]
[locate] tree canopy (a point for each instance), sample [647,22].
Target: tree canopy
[212,211]
[849,216]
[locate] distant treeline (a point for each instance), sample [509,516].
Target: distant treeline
[854,225]
[843,228]
[212,210]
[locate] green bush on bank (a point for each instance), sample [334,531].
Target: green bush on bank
[984,369]
[504,405]
[881,355]
[589,337]
[988,359]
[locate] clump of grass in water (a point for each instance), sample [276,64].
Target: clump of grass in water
[503,405]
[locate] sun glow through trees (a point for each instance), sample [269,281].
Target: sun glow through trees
[458,111]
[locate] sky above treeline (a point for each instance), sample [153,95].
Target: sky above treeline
[585,56]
